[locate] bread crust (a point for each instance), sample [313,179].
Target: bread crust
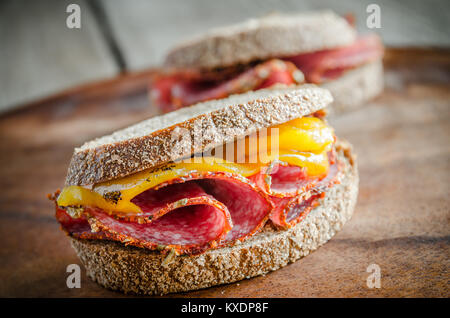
[152,143]
[258,39]
[140,271]
[356,87]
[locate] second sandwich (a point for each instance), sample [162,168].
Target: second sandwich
[288,49]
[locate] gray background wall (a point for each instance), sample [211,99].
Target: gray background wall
[40,56]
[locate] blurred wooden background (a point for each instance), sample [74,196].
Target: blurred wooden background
[40,56]
[402,139]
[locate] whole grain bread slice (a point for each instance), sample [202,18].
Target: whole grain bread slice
[140,271]
[356,87]
[275,35]
[194,129]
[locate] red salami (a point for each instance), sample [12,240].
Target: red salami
[78,227]
[181,89]
[248,205]
[300,210]
[286,181]
[157,202]
[330,64]
[289,211]
[292,192]
[249,210]
[290,181]
[189,214]
[187,230]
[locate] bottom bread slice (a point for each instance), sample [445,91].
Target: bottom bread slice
[140,271]
[356,87]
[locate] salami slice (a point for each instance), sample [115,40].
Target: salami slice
[292,192]
[189,214]
[189,229]
[157,202]
[330,64]
[78,227]
[249,206]
[300,210]
[283,180]
[286,181]
[290,211]
[181,216]
[249,210]
[174,91]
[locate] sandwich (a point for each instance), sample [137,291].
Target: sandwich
[285,49]
[209,194]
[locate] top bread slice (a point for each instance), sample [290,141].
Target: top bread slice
[197,128]
[275,35]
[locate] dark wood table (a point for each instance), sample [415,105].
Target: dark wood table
[401,222]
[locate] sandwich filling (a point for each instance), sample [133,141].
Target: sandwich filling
[182,88]
[209,201]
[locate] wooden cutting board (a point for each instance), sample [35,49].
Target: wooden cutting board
[401,222]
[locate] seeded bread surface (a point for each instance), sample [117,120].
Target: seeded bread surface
[356,87]
[275,35]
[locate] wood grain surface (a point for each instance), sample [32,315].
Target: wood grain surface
[401,222]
